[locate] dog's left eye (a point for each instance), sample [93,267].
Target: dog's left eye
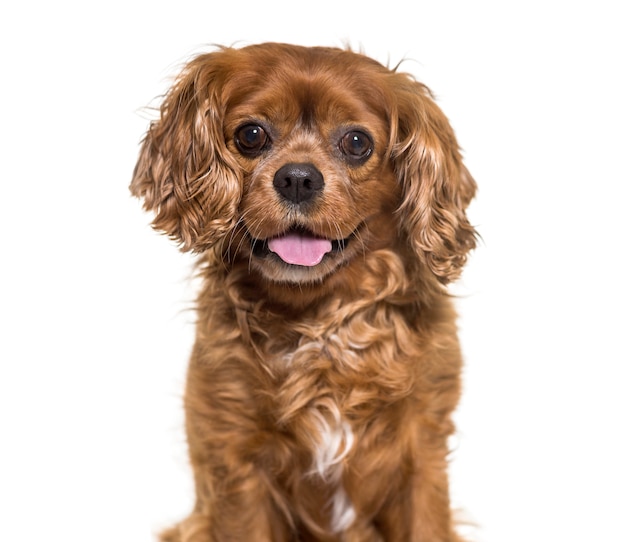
[251,139]
[357,146]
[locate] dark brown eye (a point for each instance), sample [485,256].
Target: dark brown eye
[357,146]
[251,140]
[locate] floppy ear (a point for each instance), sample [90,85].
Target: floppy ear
[437,187]
[184,172]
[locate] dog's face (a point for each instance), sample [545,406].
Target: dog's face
[311,143]
[300,160]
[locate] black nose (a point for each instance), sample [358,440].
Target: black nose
[298,182]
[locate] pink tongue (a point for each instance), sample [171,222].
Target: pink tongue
[299,249]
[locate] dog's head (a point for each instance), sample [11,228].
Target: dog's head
[300,160]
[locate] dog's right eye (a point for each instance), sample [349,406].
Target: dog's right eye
[251,140]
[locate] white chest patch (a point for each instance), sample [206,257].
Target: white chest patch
[343,511]
[334,441]
[329,438]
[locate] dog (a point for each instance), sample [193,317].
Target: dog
[325,197]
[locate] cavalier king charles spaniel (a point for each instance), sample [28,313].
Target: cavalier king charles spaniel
[325,197]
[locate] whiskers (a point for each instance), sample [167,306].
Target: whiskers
[239,238]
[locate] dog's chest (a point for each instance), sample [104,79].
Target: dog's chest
[311,405]
[310,399]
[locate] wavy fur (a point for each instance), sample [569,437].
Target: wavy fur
[319,398]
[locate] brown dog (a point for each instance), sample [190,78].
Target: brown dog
[325,196]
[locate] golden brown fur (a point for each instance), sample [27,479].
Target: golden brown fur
[319,396]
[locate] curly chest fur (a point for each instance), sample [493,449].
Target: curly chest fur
[309,404]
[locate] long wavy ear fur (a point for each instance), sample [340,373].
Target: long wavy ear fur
[437,186]
[184,172]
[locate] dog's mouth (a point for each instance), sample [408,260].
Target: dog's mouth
[299,246]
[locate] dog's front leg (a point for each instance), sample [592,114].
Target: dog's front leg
[232,510]
[420,511]
[235,498]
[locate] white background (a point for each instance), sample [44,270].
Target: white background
[96,331]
